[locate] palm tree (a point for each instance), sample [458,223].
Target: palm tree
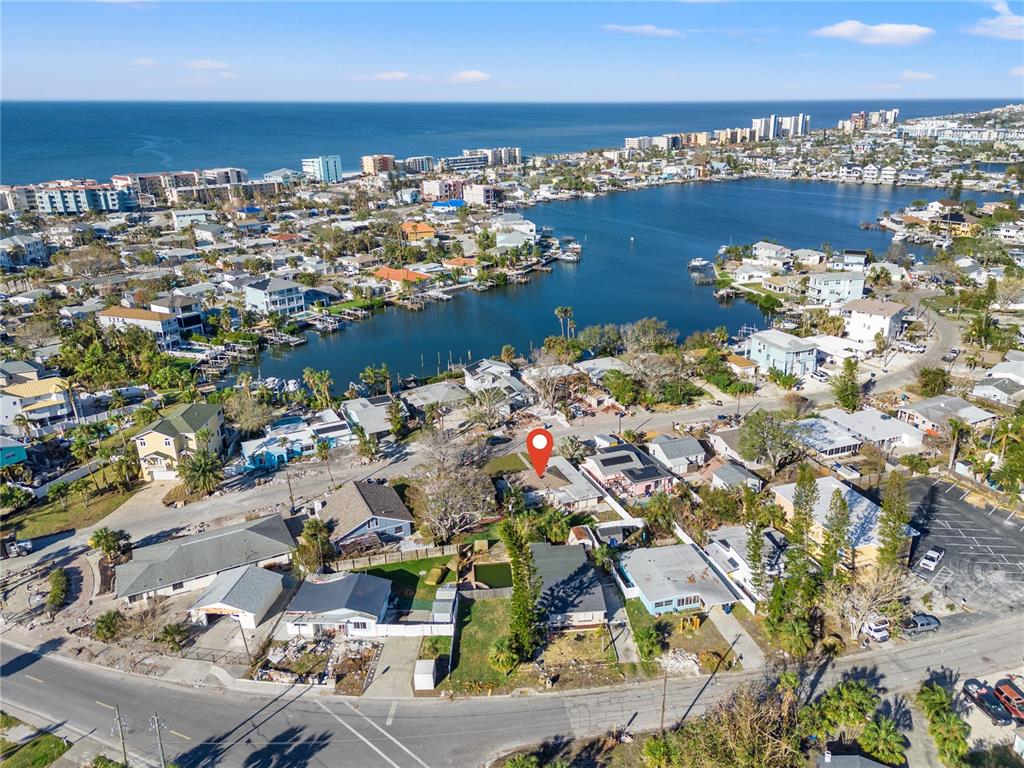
[561,313]
[109,542]
[83,487]
[144,414]
[108,625]
[958,430]
[882,740]
[632,436]
[82,449]
[59,490]
[795,637]
[323,452]
[173,636]
[316,533]
[24,424]
[502,658]
[201,471]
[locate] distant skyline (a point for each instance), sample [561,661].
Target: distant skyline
[510,52]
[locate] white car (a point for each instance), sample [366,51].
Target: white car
[931,558]
[876,628]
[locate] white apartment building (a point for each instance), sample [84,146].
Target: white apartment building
[639,142]
[323,168]
[481,194]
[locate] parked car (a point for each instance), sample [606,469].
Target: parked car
[931,558]
[984,698]
[918,623]
[876,629]
[1012,698]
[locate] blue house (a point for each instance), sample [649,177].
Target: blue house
[293,437]
[783,351]
[11,451]
[365,508]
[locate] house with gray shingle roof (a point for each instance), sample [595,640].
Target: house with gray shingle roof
[351,604]
[360,508]
[246,593]
[194,562]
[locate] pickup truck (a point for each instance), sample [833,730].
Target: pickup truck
[918,624]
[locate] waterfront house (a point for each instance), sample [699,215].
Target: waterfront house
[670,579]
[445,394]
[399,278]
[193,562]
[183,430]
[162,325]
[848,261]
[348,604]
[561,485]
[293,437]
[360,508]
[44,402]
[782,351]
[867,318]
[772,256]
[749,272]
[627,470]
[371,413]
[597,367]
[187,310]
[728,547]
[835,287]
[246,594]
[571,594]
[933,414]
[274,296]
[807,256]
[680,455]
[494,374]
[863,541]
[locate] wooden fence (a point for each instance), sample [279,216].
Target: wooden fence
[398,556]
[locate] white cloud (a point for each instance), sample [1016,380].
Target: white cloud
[1005,24]
[1017,72]
[876,34]
[912,75]
[391,76]
[206,64]
[644,30]
[144,62]
[469,76]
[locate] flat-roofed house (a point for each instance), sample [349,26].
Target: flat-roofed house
[194,562]
[863,543]
[881,430]
[835,287]
[360,508]
[826,438]
[675,578]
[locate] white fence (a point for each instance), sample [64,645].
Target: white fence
[424,629]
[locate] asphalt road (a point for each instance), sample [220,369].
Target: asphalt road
[298,727]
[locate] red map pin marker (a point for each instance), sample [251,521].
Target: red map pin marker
[539,444]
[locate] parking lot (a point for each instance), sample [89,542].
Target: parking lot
[984,560]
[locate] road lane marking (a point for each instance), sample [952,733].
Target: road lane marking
[964,496]
[33,677]
[359,736]
[102,704]
[397,742]
[391,714]
[178,733]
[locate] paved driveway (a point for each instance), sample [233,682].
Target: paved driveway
[984,561]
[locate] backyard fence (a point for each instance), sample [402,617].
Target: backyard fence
[486,594]
[398,556]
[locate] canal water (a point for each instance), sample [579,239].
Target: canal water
[636,246]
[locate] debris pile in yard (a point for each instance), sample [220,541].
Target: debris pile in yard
[679,662]
[353,664]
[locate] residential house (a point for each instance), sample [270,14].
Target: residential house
[22,250]
[872,427]
[371,414]
[627,470]
[863,541]
[400,278]
[561,485]
[728,547]
[193,562]
[18,371]
[772,256]
[835,287]
[782,351]
[825,438]
[1004,391]
[867,318]
[679,455]
[751,273]
[493,374]
[162,325]
[11,451]
[246,594]
[571,594]
[292,437]
[444,394]
[933,414]
[808,256]
[187,309]
[729,476]
[670,579]
[361,508]
[274,296]
[182,219]
[43,402]
[184,429]
[848,261]
[347,604]
[415,231]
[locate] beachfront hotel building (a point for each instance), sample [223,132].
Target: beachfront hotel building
[418,164]
[324,168]
[69,196]
[371,165]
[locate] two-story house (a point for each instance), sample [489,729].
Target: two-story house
[41,401]
[784,352]
[835,287]
[183,430]
[274,296]
[866,318]
[162,325]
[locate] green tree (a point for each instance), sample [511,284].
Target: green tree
[58,491]
[933,381]
[502,657]
[958,430]
[108,625]
[845,387]
[396,417]
[769,437]
[573,449]
[660,751]
[836,537]
[800,577]
[523,610]
[661,512]
[892,523]
[323,452]
[202,471]
[648,641]
[173,636]
[882,740]
[111,543]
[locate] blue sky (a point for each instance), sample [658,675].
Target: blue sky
[609,51]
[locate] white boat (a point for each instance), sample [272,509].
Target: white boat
[943,242]
[698,263]
[900,236]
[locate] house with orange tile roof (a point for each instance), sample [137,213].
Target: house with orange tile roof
[414,231]
[397,277]
[163,325]
[468,266]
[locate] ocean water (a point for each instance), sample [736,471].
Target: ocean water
[636,247]
[50,140]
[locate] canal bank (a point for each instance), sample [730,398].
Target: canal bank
[636,246]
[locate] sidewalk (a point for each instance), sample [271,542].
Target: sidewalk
[743,645]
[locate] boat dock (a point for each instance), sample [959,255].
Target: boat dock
[274,336]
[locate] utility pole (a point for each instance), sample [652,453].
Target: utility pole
[245,643]
[120,732]
[664,694]
[155,724]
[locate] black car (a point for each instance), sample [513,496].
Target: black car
[918,623]
[984,698]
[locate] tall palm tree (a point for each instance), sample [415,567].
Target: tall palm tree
[24,424]
[82,449]
[958,430]
[323,452]
[202,471]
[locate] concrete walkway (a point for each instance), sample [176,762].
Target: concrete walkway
[743,645]
[395,667]
[618,624]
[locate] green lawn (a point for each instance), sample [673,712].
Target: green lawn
[481,623]
[8,721]
[505,465]
[38,753]
[435,646]
[47,517]
[408,581]
[370,304]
